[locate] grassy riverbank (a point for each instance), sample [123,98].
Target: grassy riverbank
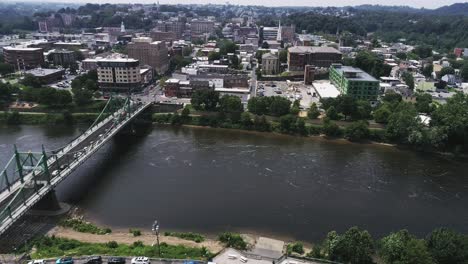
[50,247]
[25,118]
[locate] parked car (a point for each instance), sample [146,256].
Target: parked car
[65,260]
[140,260]
[37,261]
[94,260]
[116,260]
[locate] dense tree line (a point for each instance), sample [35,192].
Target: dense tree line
[441,32]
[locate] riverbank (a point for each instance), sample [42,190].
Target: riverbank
[35,118]
[122,237]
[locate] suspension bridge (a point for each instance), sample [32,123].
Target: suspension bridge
[29,177]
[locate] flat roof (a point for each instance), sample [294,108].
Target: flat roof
[21,48]
[325,89]
[43,72]
[361,75]
[232,90]
[232,256]
[311,49]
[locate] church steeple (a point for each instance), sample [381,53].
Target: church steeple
[122,27]
[278,36]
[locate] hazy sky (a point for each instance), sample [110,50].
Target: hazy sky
[413,3]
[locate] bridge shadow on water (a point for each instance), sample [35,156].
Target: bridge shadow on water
[93,176]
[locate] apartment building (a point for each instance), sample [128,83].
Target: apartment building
[23,58]
[120,75]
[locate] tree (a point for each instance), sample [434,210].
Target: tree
[403,248]
[287,124]
[82,96]
[446,70]
[295,108]
[246,121]
[346,105]
[258,105]
[231,105]
[261,124]
[392,98]
[401,55]
[6,68]
[212,56]
[313,112]
[205,100]
[279,106]
[354,246]
[363,110]
[330,128]
[382,114]
[185,115]
[403,122]
[408,79]
[332,114]
[283,56]
[423,51]
[464,71]
[447,247]
[265,45]
[357,131]
[31,80]
[424,103]
[427,70]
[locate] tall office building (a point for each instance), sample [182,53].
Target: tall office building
[354,82]
[152,53]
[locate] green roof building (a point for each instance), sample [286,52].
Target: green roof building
[354,82]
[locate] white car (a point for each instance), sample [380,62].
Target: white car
[38,261]
[140,260]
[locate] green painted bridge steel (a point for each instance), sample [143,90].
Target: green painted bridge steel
[29,176]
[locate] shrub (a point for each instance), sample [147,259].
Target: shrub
[135,232]
[112,244]
[233,240]
[188,236]
[357,131]
[84,227]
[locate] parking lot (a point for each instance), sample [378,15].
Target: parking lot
[291,90]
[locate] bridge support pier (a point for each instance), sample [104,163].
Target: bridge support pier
[49,205]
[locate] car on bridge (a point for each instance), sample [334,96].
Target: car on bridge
[65,260]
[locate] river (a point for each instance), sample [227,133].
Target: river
[212,180]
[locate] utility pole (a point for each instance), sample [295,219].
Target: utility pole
[155,230]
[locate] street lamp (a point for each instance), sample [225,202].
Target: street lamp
[155,230]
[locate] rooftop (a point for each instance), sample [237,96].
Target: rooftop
[39,72]
[21,48]
[310,49]
[325,89]
[357,74]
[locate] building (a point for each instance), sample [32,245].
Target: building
[199,27]
[163,36]
[175,26]
[288,33]
[300,56]
[47,76]
[119,75]
[270,33]
[270,64]
[69,45]
[185,89]
[23,58]
[154,54]
[63,58]
[89,64]
[354,82]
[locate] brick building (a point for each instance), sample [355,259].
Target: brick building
[154,54]
[300,56]
[23,58]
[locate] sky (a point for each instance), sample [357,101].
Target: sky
[414,3]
